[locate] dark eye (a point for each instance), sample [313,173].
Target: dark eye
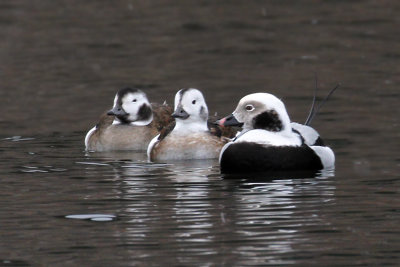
[134,100]
[194,102]
[249,107]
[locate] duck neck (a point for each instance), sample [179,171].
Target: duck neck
[184,127]
[143,122]
[135,123]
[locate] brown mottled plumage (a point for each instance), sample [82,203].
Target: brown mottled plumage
[190,136]
[130,124]
[199,145]
[108,136]
[224,131]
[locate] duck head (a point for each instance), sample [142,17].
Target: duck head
[191,110]
[131,106]
[259,111]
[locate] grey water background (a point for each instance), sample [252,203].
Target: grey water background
[61,62]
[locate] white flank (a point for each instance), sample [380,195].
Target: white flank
[326,155]
[309,134]
[151,145]
[88,136]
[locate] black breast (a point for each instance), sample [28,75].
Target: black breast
[251,157]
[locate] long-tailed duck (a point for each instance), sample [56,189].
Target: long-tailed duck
[190,136]
[269,141]
[130,124]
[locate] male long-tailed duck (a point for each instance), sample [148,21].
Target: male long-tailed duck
[269,141]
[190,136]
[130,124]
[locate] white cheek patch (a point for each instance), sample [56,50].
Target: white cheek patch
[238,116]
[130,108]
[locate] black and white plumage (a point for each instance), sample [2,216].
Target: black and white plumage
[132,107]
[190,137]
[130,124]
[269,141]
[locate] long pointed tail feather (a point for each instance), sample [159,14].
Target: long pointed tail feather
[314,109]
[310,114]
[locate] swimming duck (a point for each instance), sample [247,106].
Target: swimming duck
[190,137]
[130,124]
[269,141]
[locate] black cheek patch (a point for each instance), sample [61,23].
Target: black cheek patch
[268,120]
[144,112]
[203,113]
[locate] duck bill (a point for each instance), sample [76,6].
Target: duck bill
[180,113]
[117,111]
[229,121]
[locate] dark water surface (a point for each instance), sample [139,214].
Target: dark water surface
[61,63]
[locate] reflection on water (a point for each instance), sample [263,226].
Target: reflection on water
[92,217]
[192,210]
[126,210]
[62,62]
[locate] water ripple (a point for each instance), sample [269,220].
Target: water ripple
[18,138]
